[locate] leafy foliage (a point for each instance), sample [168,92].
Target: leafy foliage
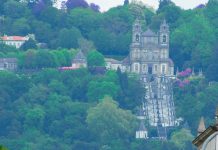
[108,122]
[94,58]
[43,108]
[30,44]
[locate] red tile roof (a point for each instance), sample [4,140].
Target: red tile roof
[67,68]
[14,38]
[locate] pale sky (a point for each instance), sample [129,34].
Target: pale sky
[186,4]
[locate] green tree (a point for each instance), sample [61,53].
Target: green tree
[95,58]
[171,13]
[50,15]
[85,20]
[68,38]
[20,27]
[187,50]
[15,9]
[99,37]
[44,60]
[85,45]
[108,122]
[29,60]
[42,31]
[3,148]
[180,138]
[97,90]
[163,3]
[34,117]
[30,44]
[212,70]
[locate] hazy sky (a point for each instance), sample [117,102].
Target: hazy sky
[186,4]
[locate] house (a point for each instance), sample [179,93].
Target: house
[142,132]
[8,64]
[79,61]
[207,138]
[15,41]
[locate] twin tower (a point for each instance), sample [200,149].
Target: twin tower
[149,57]
[150,51]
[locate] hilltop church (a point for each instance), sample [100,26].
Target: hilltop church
[149,57]
[149,52]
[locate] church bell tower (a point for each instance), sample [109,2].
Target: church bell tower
[164,34]
[137,30]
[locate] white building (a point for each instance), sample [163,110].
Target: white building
[9,64]
[15,41]
[142,132]
[149,58]
[149,52]
[79,61]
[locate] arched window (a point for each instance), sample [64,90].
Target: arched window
[163,69]
[136,67]
[5,65]
[137,37]
[144,68]
[164,38]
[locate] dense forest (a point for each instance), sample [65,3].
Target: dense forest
[44,108]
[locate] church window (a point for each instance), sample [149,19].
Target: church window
[136,67]
[164,54]
[144,68]
[155,96]
[164,39]
[155,67]
[5,65]
[138,54]
[163,69]
[150,69]
[137,38]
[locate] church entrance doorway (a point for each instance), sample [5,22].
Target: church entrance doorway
[150,69]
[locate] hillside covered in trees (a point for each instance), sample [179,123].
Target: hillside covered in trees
[42,107]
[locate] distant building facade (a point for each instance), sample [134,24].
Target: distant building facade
[149,52]
[15,41]
[79,61]
[142,132]
[9,64]
[149,57]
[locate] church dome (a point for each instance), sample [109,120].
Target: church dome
[149,33]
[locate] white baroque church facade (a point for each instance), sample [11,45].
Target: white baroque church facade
[149,52]
[149,57]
